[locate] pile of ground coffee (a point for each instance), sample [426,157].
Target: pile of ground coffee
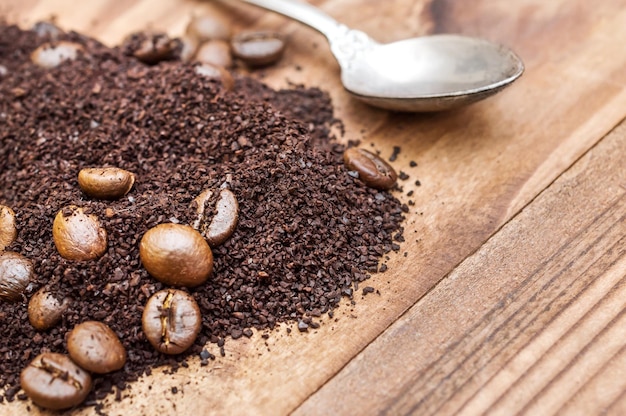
[308,229]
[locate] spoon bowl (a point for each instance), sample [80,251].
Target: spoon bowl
[423,74]
[430,73]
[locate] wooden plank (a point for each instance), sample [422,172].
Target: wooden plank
[533,323]
[478,166]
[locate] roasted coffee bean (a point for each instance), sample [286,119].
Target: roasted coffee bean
[16,272]
[216,72]
[258,48]
[372,170]
[105,183]
[53,381]
[8,231]
[220,225]
[47,30]
[189,47]
[152,48]
[78,236]
[171,321]
[208,27]
[51,55]
[176,255]
[96,348]
[215,52]
[45,310]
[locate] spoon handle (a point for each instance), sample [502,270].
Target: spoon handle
[303,13]
[345,43]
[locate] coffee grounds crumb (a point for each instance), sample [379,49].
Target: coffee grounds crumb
[395,153]
[305,222]
[303,326]
[370,289]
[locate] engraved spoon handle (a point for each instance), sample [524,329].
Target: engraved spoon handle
[344,42]
[303,13]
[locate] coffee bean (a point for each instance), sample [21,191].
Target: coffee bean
[78,236]
[16,272]
[215,52]
[189,46]
[47,30]
[220,225]
[171,321]
[96,348]
[208,27]
[45,310]
[152,48]
[372,170]
[8,231]
[53,381]
[176,255]
[258,48]
[216,72]
[51,55]
[105,183]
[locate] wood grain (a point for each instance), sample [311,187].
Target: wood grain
[533,323]
[479,167]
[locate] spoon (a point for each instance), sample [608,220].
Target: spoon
[430,73]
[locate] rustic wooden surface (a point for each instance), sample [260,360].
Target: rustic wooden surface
[512,296]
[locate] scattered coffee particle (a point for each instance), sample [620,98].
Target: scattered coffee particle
[304,221]
[383,268]
[410,193]
[418,183]
[369,289]
[395,153]
[403,176]
[412,163]
[302,326]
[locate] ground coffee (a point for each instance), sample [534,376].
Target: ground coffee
[307,230]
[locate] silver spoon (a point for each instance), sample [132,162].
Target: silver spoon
[429,73]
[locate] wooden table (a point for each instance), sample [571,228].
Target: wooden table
[512,297]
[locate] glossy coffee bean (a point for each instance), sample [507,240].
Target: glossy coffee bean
[218,227]
[96,348]
[16,273]
[105,183]
[176,254]
[215,52]
[171,321]
[51,55]
[258,48]
[54,381]
[78,235]
[372,170]
[189,46]
[46,29]
[8,231]
[157,47]
[45,310]
[208,27]
[210,71]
